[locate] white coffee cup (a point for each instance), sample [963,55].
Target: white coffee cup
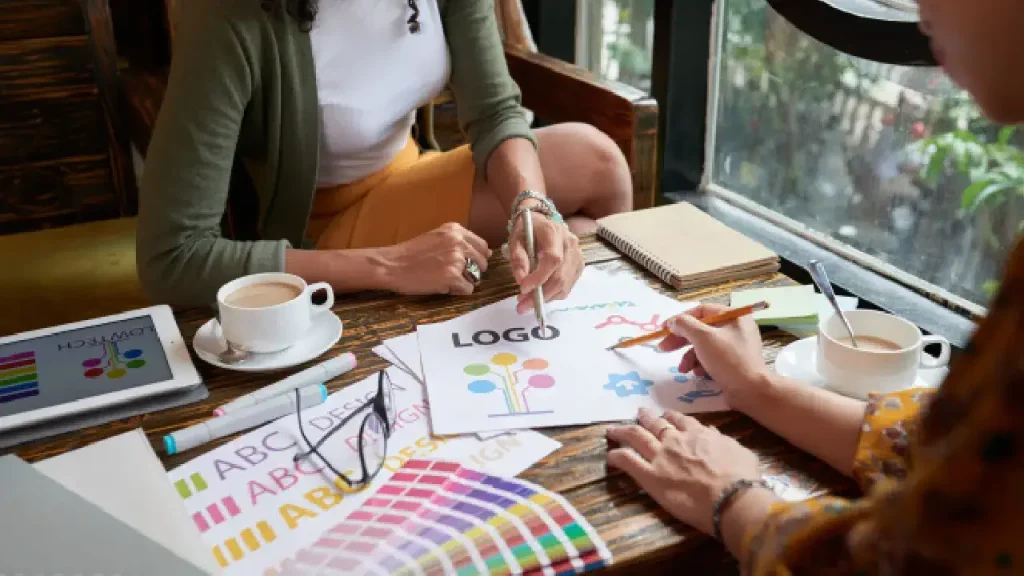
[857,372]
[270,328]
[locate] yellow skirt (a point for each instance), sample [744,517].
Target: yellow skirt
[413,194]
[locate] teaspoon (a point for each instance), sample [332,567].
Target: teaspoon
[817,271]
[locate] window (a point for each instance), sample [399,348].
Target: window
[616,39]
[894,163]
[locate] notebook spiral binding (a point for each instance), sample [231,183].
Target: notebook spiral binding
[652,263]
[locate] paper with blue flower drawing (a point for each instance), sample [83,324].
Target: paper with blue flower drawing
[494,369]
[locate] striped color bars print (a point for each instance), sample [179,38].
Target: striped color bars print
[18,377]
[251,538]
[440,518]
[186,491]
[215,513]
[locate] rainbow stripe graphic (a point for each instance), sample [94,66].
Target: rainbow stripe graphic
[18,377]
[440,518]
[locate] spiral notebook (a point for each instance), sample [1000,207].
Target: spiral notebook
[686,247]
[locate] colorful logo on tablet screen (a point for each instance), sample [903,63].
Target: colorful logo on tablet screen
[113,363]
[18,377]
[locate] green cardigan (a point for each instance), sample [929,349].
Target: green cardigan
[243,81]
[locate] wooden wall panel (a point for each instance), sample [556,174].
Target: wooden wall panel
[55,193]
[23,19]
[64,152]
[52,127]
[111,93]
[30,67]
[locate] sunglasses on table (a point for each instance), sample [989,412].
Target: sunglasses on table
[374,432]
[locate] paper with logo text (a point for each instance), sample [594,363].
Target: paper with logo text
[495,369]
[255,506]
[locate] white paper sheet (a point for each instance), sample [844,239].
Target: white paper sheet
[255,506]
[123,476]
[494,369]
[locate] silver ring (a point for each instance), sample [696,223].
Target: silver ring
[471,272]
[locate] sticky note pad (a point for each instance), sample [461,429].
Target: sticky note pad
[787,305]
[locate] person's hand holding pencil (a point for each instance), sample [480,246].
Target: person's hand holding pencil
[715,320]
[728,351]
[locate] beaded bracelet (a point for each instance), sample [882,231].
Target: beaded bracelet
[549,208]
[546,210]
[532,195]
[728,495]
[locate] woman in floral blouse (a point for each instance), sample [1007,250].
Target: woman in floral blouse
[942,473]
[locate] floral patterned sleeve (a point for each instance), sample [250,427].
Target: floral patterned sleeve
[784,541]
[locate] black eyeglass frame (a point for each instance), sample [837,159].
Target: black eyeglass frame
[379,409]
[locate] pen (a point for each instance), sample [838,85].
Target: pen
[251,417]
[710,320]
[318,374]
[531,250]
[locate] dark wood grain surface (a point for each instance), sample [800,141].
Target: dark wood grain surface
[111,95]
[40,19]
[43,65]
[642,537]
[57,125]
[53,192]
[60,114]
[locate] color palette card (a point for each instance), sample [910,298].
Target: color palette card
[434,518]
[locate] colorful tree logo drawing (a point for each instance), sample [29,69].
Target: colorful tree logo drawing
[703,387]
[510,384]
[113,363]
[651,325]
[630,384]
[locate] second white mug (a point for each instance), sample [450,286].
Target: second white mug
[858,372]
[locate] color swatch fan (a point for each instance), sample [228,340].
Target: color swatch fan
[434,518]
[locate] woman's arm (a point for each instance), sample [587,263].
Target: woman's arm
[488,100]
[181,256]
[821,423]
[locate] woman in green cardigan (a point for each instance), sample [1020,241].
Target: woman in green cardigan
[317,102]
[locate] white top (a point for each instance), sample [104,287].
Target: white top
[372,74]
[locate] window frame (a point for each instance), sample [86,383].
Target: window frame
[687,41]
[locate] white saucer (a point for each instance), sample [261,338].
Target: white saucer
[799,361]
[324,332]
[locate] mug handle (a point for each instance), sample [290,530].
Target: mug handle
[328,304]
[927,361]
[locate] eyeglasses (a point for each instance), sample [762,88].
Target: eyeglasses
[373,433]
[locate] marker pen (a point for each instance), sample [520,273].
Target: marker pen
[243,419]
[319,374]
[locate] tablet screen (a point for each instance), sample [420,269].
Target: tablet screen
[68,366]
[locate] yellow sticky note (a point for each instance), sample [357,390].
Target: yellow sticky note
[787,305]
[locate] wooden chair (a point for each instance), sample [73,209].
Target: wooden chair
[65,167]
[553,90]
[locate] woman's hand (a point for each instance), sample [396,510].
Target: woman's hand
[435,262]
[684,465]
[559,260]
[730,353]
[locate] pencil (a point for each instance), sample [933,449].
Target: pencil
[722,318]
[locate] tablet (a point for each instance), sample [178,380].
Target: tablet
[73,368]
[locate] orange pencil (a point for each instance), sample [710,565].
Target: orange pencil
[726,316]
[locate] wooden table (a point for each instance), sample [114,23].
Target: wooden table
[641,536]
